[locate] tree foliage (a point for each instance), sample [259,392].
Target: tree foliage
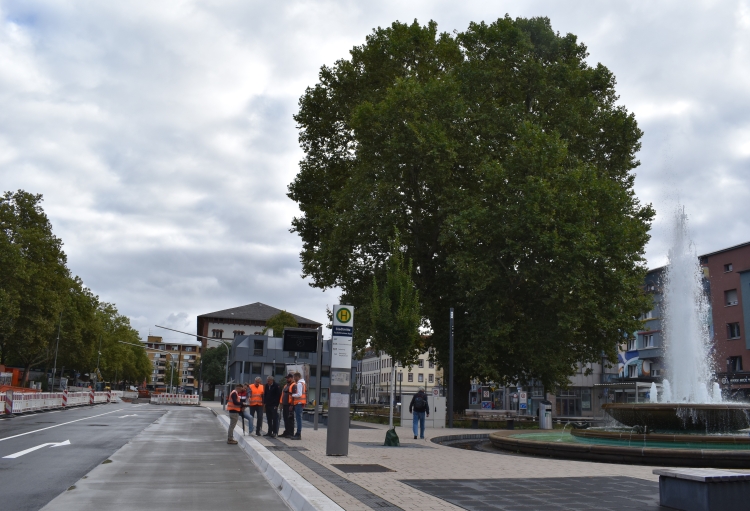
[39,296]
[505,162]
[277,322]
[214,365]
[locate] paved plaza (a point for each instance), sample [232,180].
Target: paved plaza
[423,475]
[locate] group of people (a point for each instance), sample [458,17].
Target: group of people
[250,401]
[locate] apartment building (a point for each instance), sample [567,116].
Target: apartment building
[183,355]
[375,381]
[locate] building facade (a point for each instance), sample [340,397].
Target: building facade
[375,381]
[248,319]
[728,272]
[182,355]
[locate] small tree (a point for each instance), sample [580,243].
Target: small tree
[395,314]
[278,321]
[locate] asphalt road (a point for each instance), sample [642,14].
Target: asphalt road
[32,479]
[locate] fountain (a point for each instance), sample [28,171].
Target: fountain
[686,402]
[689,424]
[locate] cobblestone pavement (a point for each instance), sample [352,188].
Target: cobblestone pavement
[438,477]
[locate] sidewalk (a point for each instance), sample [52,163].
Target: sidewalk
[420,470]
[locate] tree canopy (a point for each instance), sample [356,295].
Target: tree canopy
[277,322]
[39,296]
[505,162]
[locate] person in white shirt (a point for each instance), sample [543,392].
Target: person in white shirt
[299,398]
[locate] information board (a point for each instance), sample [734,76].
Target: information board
[301,340]
[341,339]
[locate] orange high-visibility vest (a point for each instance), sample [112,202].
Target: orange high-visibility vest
[231,407]
[256,395]
[286,395]
[303,398]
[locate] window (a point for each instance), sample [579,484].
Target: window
[217,334]
[313,371]
[421,363]
[431,378]
[238,332]
[267,370]
[432,364]
[281,370]
[304,354]
[632,371]
[256,368]
[728,268]
[258,347]
[733,330]
[410,377]
[420,378]
[632,345]
[730,297]
[734,364]
[325,372]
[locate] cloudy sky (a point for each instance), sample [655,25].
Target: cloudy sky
[162,139]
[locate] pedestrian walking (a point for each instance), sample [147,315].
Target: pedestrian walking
[299,400]
[255,399]
[287,407]
[418,408]
[234,407]
[271,398]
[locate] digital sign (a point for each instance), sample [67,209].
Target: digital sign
[305,341]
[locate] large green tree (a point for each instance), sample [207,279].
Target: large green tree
[505,162]
[40,299]
[279,321]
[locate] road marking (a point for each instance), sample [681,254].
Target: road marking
[27,451]
[57,425]
[123,416]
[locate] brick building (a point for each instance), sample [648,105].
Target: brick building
[728,272]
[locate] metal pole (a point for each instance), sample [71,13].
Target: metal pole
[319,390]
[226,378]
[450,374]
[98,356]
[57,346]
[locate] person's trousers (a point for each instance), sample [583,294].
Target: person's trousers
[258,409]
[298,417]
[272,417]
[233,418]
[418,417]
[249,418]
[288,412]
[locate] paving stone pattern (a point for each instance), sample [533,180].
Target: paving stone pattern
[542,494]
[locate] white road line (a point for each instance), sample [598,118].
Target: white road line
[27,451]
[123,416]
[57,425]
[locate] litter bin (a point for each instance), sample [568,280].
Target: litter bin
[545,415]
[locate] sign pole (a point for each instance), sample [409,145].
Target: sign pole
[450,375]
[319,390]
[337,436]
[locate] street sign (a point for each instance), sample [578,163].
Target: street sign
[522,396]
[522,406]
[337,436]
[436,392]
[486,405]
[341,340]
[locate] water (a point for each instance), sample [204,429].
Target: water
[685,324]
[653,393]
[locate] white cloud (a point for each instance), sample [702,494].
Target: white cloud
[162,138]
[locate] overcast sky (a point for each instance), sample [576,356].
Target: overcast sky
[161,133]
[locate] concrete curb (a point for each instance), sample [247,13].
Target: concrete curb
[296,491]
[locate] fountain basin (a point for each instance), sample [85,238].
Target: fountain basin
[711,418]
[631,451]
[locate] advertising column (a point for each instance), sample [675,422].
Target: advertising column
[337,440]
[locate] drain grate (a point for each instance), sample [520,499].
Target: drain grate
[351,468]
[380,444]
[285,448]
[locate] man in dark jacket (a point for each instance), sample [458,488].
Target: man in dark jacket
[418,408]
[287,409]
[271,398]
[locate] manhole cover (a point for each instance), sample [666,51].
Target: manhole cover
[352,468]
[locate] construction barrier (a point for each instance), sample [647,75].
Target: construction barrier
[174,399]
[22,402]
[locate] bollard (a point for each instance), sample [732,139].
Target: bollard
[65,398]
[9,402]
[109,396]
[91,396]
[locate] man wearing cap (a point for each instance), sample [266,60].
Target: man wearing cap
[271,398]
[287,409]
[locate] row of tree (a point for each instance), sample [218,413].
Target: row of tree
[502,165]
[40,300]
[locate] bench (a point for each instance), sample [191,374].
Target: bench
[703,489]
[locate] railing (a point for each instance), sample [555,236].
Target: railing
[23,402]
[174,399]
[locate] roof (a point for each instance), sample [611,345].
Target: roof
[741,245]
[254,312]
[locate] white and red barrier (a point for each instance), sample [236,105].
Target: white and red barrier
[174,399]
[21,402]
